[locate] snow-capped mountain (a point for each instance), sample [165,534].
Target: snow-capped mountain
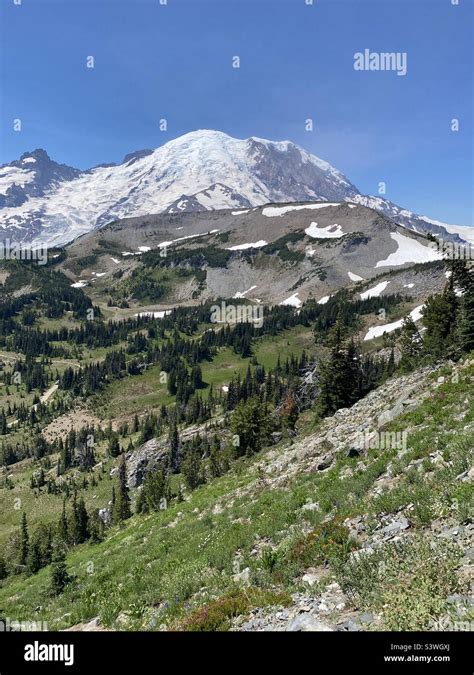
[41,200]
[32,175]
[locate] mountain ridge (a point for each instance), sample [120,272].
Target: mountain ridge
[203,170]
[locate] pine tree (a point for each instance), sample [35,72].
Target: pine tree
[63,526]
[3,568]
[34,561]
[60,577]
[96,527]
[121,508]
[82,522]
[439,319]
[191,468]
[251,426]
[340,376]
[289,411]
[154,490]
[174,447]
[24,540]
[114,446]
[411,345]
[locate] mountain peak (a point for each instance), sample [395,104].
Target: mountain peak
[203,169]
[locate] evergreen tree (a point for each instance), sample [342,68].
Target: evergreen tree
[340,376]
[289,411]
[63,526]
[3,568]
[439,319]
[155,489]
[24,540]
[174,447]
[96,527]
[60,577]
[250,425]
[121,508]
[34,561]
[191,468]
[411,345]
[82,521]
[114,446]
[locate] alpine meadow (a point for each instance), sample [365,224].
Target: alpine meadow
[236,379]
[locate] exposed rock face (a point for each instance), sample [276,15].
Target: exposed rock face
[151,454]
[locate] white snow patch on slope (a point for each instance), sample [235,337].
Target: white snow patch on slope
[117,262]
[293,301]
[238,213]
[10,175]
[409,251]
[154,315]
[272,211]
[244,293]
[79,284]
[355,277]
[377,331]
[324,232]
[375,291]
[242,247]
[28,160]
[408,285]
[324,300]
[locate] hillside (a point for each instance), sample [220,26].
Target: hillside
[271,254]
[313,534]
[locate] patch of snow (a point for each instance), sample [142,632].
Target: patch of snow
[408,285]
[377,331]
[409,251]
[293,301]
[238,213]
[242,247]
[355,277]
[79,284]
[10,175]
[144,249]
[272,211]
[244,293]
[28,160]
[154,315]
[375,291]
[117,262]
[324,300]
[329,232]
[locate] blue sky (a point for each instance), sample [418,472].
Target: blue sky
[174,61]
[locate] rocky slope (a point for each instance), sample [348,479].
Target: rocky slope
[275,254]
